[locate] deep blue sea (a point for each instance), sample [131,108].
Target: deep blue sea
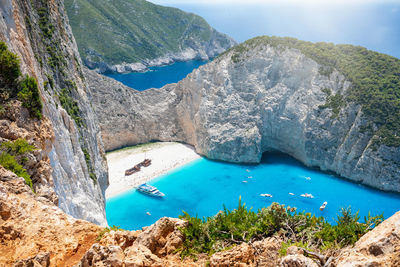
[204,186]
[157,77]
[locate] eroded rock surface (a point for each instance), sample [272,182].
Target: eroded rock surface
[380,247]
[150,247]
[34,232]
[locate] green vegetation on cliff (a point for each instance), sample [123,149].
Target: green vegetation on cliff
[132,30]
[228,228]
[13,156]
[375,79]
[13,86]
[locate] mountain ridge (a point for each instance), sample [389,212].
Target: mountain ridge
[110,40]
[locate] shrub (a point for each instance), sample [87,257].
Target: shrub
[30,97]
[11,157]
[18,147]
[9,66]
[228,228]
[9,162]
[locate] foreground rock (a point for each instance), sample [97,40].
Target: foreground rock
[244,103]
[150,247]
[380,247]
[34,231]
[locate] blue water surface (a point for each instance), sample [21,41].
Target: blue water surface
[204,186]
[157,77]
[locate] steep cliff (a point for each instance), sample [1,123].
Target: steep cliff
[38,32]
[272,94]
[131,35]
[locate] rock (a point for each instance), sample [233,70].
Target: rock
[139,255]
[267,251]
[293,250]
[234,111]
[379,247]
[40,260]
[298,260]
[163,237]
[137,248]
[241,255]
[123,239]
[35,232]
[98,255]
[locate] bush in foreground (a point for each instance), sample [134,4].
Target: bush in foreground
[227,228]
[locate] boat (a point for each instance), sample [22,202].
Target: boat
[307,195]
[149,190]
[266,195]
[136,168]
[146,163]
[131,171]
[323,206]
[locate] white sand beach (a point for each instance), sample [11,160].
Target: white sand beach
[164,156]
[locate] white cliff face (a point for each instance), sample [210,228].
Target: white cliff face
[53,60]
[234,109]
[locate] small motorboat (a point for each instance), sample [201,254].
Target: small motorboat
[307,195]
[148,213]
[266,195]
[245,182]
[323,206]
[291,194]
[149,190]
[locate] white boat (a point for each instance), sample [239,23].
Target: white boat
[266,195]
[323,206]
[307,195]
[149,190]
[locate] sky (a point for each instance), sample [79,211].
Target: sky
[374,24]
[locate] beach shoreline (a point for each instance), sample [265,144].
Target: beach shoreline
[165,156]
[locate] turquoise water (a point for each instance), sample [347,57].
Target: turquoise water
[157,77]
[204,186]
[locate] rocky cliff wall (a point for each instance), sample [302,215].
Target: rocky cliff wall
[38,32]
[241,105]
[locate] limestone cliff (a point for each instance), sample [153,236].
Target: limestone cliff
[255,98]
[39,33]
